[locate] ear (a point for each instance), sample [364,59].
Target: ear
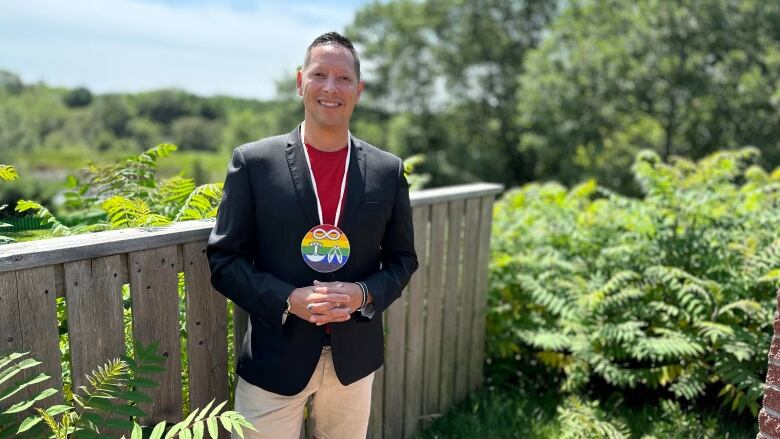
[361,86]
[299,82]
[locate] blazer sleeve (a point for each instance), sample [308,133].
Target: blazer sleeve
[231,247]
[398,257]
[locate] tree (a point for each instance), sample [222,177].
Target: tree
[682,78]
[453,67]
[10,82]
[78,97]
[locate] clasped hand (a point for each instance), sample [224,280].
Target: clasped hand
[326,302]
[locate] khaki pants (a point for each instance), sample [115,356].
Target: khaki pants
[337,411]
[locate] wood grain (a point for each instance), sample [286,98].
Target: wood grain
[206,330]
[153,288]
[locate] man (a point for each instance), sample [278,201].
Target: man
[314,240]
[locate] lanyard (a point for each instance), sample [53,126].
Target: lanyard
[314,182]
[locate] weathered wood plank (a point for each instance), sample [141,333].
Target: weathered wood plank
[53,251]
[93,291]
[466,308]
[206,330]
[10,330]
[452,193]
[377,406]
[415,330]
[153,288]
[433,317]
[395,360]
[450,304]
[38,327]
[10,335]
[476,367]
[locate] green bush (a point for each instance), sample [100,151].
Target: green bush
[670,295]
[109,402]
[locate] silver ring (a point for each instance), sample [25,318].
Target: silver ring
[309,306]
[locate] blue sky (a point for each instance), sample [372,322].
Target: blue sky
[233,47]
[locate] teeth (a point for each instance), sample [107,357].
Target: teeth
[329,104]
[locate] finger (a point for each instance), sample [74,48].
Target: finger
[316,298]
[321,319]
[335,298]
[336,320]
[320,307]
[329,315]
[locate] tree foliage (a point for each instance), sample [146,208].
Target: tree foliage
[672,292]
[682,78]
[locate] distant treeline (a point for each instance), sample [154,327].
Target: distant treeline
[497,90]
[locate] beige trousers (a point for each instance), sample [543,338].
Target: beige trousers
[337,411]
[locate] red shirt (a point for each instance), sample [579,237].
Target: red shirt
[328,170]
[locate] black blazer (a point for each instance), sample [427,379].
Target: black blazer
[268,205]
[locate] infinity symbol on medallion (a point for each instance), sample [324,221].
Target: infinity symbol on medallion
[321,234]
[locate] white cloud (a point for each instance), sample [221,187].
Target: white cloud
[125,45]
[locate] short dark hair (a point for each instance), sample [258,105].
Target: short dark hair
[336,39]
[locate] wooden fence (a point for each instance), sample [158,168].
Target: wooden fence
[434,333]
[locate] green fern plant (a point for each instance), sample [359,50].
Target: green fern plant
[201,203]
[673,292]
[130,194]
[109,402]
[10,366]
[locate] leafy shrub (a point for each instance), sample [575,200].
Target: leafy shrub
[672,293]
[109,402]
[129,193]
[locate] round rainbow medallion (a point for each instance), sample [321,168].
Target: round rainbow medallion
[325,248]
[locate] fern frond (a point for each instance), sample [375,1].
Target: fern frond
[8,173]
[123,212]
[201,203]
[671,345]
[742,388]
[46,217]
[176,189]
[159,151]
[691,382]
[747,306]
[556,304]
[714,331]
[620,333]
[621,298]
[546,340]
[618,281]
[106,379]
[695,299]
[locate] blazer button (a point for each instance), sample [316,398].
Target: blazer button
[331,277]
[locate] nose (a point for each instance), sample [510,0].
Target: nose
[330,83]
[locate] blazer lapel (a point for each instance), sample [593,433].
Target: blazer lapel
[356,183]
[299,171]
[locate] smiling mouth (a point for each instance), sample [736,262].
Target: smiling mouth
[329,104]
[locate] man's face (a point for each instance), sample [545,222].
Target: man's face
[329,87]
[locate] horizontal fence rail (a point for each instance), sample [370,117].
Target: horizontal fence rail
[434,334]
